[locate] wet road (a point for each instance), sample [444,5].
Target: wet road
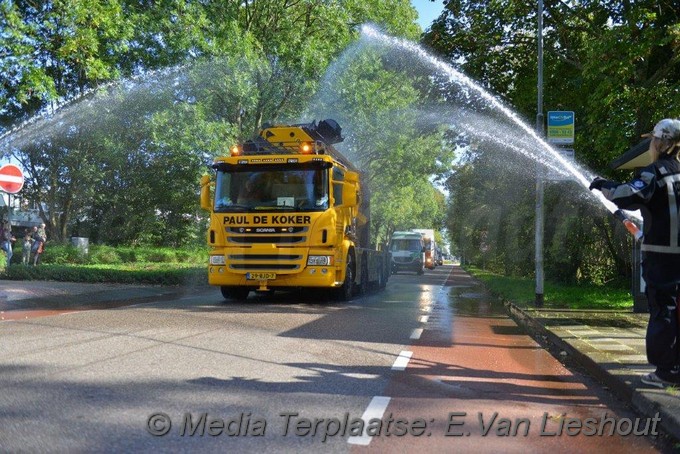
[437,360]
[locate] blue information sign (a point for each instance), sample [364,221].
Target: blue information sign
[561,127]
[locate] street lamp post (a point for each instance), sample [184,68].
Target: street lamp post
[539,228]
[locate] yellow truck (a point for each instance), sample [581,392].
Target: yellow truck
[287,210]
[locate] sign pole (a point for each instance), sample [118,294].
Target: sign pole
[539,227]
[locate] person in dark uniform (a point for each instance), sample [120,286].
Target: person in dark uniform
[656,193]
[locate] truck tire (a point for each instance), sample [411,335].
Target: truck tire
[381,276]
[234,293]
[421,271]
[363,287]
[344,292]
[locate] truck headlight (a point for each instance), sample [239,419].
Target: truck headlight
[319,260]
[217,260]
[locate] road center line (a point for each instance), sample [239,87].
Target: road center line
[424,318]
[376,409]
[416,333]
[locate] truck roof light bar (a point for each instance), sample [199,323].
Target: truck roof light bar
[260,146]
[303,138]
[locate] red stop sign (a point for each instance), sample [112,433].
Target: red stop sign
[11,178]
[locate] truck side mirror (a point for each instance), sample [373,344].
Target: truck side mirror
[205,192]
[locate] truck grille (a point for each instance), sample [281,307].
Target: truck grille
[264,266]
[288,260]
[274,257]
[253,257]
[267,239]
[266,230]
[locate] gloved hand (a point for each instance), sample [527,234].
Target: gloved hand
[597,183]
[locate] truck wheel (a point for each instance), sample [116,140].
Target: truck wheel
[381,277]
[363,288]
[344,293]
[234,293]
[421,270]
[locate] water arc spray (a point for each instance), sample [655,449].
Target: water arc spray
[461,79]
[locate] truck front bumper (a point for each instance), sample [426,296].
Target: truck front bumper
[311,276]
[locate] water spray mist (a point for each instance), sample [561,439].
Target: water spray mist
[462,80]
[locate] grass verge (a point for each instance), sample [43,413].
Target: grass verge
[522,292]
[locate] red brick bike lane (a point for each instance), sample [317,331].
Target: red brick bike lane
[481,384]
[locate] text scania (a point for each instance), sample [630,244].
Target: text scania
[267,219]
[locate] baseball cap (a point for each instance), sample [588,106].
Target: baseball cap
[668,129]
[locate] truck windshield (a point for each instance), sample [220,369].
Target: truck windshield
[301,187]
[406,245]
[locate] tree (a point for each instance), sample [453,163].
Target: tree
[614,64]
[152,91]
[57,49]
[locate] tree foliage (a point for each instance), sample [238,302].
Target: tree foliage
[126,101]
[616,64]
[379,98]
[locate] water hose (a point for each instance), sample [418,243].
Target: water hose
[632,228]
[630,225]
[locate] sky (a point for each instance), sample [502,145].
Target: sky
[427,11]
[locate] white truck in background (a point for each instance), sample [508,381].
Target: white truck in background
[408,252]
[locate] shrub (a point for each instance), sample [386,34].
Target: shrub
[63,254]
[183,256]
[160,257]
[127,255]
[101,273]
[104,255]
[148,265]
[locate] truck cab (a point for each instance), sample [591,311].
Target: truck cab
[287,210]
[408,252]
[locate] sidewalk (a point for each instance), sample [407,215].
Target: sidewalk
[610,346]
[24,298]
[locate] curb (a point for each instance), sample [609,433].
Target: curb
[646,403]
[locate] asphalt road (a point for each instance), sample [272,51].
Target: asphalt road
[436,359]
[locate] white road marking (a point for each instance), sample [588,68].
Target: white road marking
[402,360]
[378,405]
[375,409]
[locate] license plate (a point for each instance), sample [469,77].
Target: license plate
[260,276]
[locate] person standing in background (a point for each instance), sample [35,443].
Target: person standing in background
[6,240]
[26,247]
[39,238]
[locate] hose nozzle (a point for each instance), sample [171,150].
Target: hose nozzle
[630,225]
